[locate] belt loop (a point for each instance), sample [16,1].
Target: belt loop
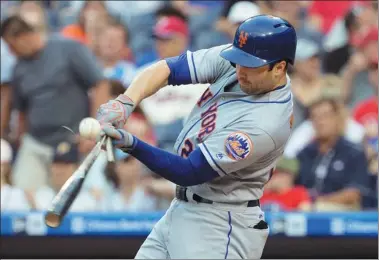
[181,193]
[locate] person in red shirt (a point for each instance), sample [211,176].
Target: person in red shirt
[281,194]
[323,14]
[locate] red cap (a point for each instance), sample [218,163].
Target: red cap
[370,36]
[169,26]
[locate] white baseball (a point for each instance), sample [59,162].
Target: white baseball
[89,128]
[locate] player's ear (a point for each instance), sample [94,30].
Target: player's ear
[279,69]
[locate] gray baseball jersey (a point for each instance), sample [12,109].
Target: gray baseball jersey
[241,135]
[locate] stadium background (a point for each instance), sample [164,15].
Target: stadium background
[337,57]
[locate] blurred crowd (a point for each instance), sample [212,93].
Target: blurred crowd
[61,59]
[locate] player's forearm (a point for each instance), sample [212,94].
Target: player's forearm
[148,82]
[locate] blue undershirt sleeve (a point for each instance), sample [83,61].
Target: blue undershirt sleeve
[189,171]
[179,70]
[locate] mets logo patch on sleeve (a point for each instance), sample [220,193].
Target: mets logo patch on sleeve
[238,146]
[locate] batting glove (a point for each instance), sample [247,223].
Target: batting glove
[124,140]
[113,114]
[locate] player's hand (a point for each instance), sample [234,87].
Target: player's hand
[124,140]
[113,114]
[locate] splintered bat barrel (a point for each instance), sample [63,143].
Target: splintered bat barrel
[67,194]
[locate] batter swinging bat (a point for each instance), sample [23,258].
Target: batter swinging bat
[67,194]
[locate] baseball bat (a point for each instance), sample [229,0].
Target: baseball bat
[67,194]
[109,149]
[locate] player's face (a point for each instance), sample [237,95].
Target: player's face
[254,81]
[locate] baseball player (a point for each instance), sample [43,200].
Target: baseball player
[228,147]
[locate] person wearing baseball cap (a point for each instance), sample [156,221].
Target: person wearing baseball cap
[172,35]
[12,198]
[238,13]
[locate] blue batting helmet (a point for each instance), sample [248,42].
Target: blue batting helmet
[261,40]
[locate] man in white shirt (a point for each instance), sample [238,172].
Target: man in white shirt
[65,162]
[12,198]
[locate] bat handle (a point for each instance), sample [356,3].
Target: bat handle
[109,149]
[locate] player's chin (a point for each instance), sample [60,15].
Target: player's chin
[249,89]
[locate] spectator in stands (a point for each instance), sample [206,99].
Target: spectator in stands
[127,192]
[291,11]
[366,113]
[304,133]
[96,182]
[202,15]
[323,14]
[264,6]
[357,86]
[33,13]
[113,47]
[160,188]
[65,162]
[238,13]
[12,198]
[333,169]
[171,35]
[280,193]
[7,63]
[346,33]
[140,19]
[8,8]
[93,18]
[338,42]
[169,10]
[151,55]
[50,86]
[306,78]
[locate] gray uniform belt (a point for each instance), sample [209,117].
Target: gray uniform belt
[181,194]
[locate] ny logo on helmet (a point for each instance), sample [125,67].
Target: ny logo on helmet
[242,38]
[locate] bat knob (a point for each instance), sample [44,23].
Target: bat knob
[52,220]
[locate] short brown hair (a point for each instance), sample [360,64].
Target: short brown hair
[15,26]
[337,105]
